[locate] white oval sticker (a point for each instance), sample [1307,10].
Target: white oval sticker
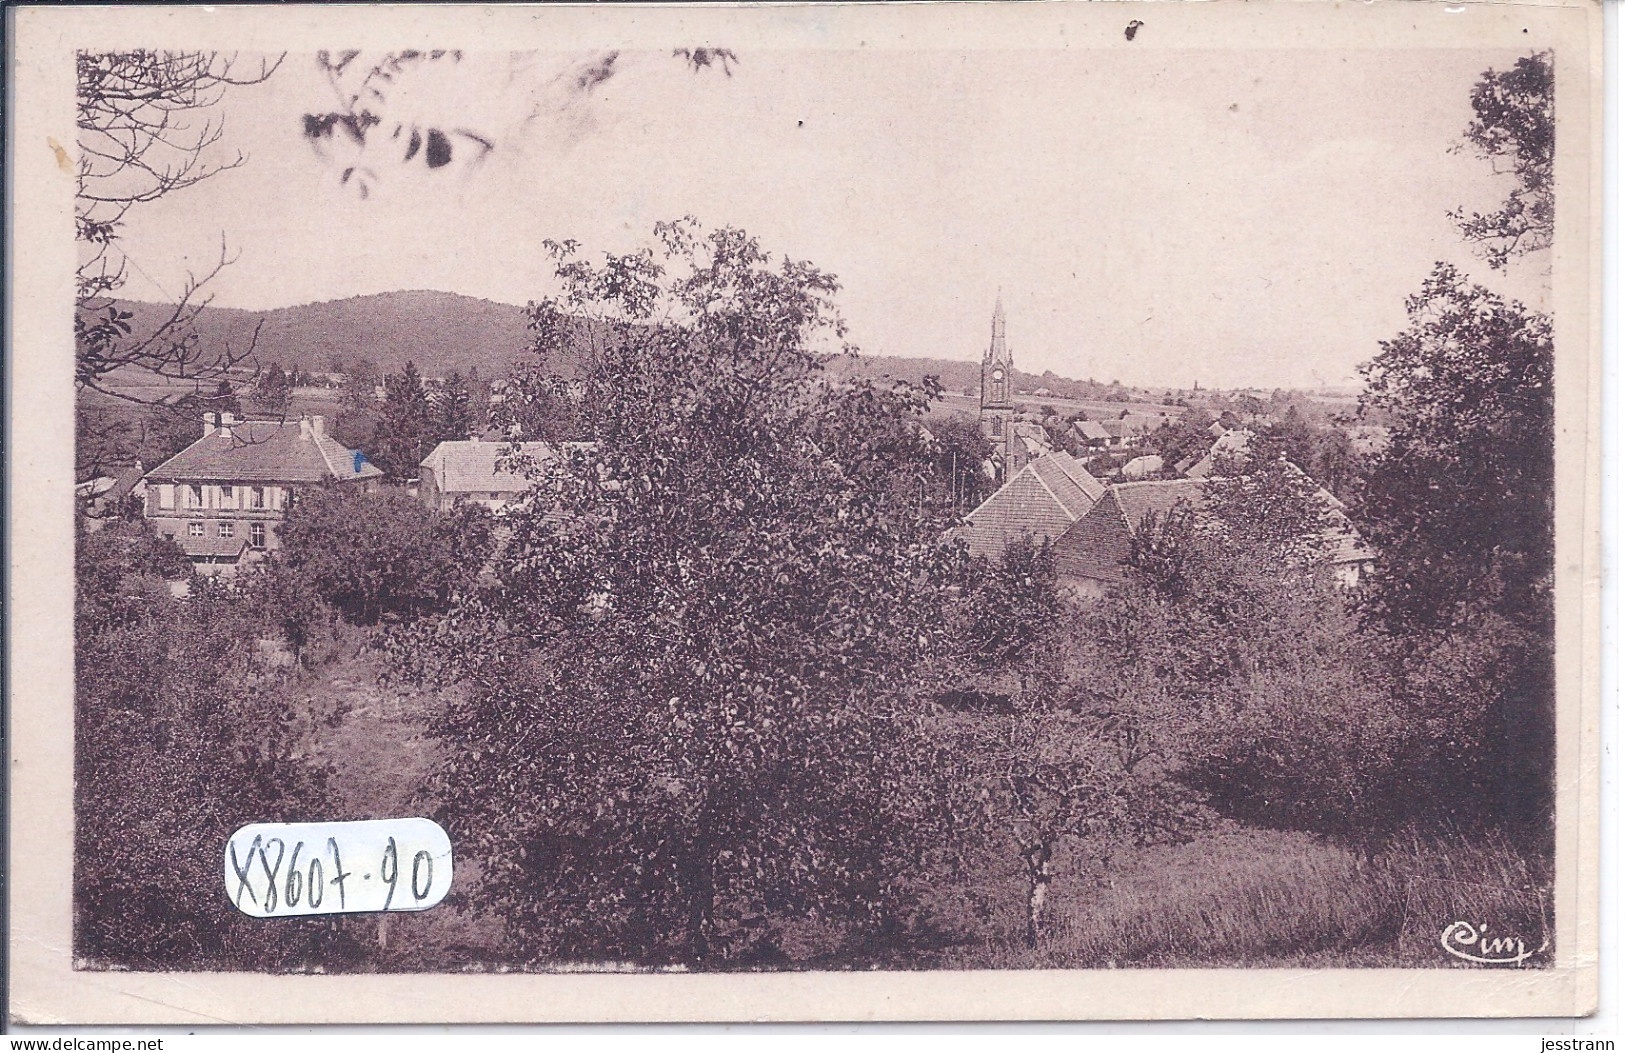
[282,870]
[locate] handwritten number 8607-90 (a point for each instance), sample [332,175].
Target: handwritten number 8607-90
[311,882]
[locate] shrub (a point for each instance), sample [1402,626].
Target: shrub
[182,734]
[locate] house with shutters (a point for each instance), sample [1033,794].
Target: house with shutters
[222,497]
[1041,501]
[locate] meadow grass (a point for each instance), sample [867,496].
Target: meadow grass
[1256,897]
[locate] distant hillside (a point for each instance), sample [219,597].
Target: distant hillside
[439,331]
[442,332]
[959,377]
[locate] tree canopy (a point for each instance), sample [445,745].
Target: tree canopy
[687,725]
[1461,499]
[1515,129]
[372,555]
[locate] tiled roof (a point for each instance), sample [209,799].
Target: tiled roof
[1091,429]
[1097,544]
[1070,481]
[1040,501]
[472,467]
[1234,441]
[1344,544]
[1138,500]
[266,451]
[1034,446]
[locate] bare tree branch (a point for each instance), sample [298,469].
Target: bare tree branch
[148,126]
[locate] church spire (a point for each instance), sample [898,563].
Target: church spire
[996,349]
[996,377]
[998,410]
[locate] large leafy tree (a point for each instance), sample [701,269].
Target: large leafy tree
[1067,759]
[689,722]
[963,480]
[1270,696]
[1460,501]
[273,391]
[1461,505]
[376,555]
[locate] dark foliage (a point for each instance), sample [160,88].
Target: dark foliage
[1515,129]
[687,724]
[372,556]
[183,732]
[1462,506]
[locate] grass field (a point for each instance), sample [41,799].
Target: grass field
[1269,898]
[376,740]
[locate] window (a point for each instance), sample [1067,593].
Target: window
[256,535]
[193,495]
[256,497]
[228,530]
[228,497]
[195,529]
[166,495]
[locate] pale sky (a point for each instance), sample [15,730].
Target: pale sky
[1157,217]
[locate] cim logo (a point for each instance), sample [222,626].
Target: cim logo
[1474,944]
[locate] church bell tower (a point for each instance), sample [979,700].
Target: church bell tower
[998,411]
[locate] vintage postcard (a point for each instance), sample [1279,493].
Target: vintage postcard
[836,512]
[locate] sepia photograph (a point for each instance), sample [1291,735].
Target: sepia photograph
[900,493]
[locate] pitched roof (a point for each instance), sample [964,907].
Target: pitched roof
[1133,502]
[1138,500]
[266,451]
[472,466]
[1040,501]
[1078,480]
[1091,429]
[125,483]
[1233,442]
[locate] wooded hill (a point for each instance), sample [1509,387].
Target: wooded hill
[443,332]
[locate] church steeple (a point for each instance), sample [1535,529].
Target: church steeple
[998,410]
[996,349]
[996,363]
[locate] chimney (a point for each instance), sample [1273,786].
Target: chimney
[318,426]
[210,420]
[304,427]
[226,421]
